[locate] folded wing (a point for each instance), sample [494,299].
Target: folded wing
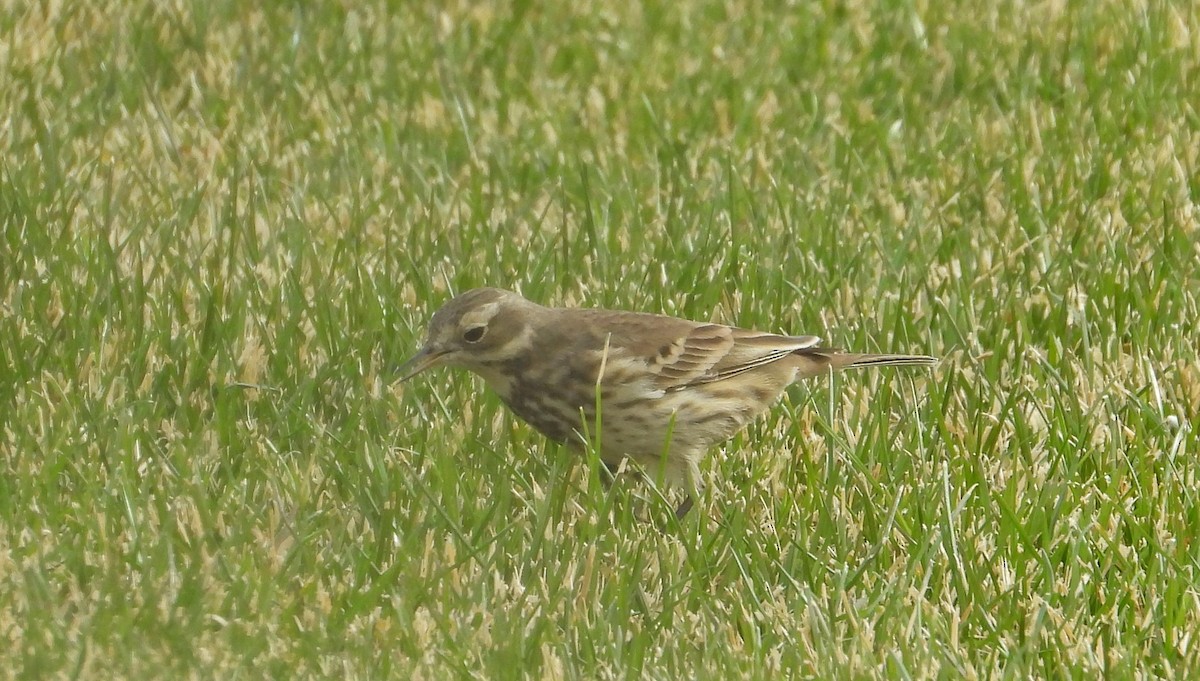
[712,352]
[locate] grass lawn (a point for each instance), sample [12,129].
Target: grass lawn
[226,223]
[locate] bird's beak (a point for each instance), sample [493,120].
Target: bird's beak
[426,358]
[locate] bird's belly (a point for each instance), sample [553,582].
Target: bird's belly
[664,437]
[636,421]
[674,424]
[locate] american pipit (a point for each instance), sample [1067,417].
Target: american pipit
[666,389]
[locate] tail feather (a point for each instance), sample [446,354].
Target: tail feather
[821,360]
[865,360]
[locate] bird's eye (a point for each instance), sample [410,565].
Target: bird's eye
[474,334]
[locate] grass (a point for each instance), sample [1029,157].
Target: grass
[225,224]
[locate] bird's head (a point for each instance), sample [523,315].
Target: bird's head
[481,326]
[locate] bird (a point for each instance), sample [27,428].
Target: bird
[664,390]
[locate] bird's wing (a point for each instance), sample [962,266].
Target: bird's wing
[712,352]
[678,353]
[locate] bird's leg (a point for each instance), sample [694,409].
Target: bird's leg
[695,487]
[683,508]
[608,474]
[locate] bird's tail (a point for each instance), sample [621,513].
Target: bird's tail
[821,360]
[817,361]
[854,361]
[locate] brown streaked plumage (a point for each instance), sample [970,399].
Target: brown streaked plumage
[669,389]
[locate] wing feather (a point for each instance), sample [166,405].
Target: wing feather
[712,352]
[677,353]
